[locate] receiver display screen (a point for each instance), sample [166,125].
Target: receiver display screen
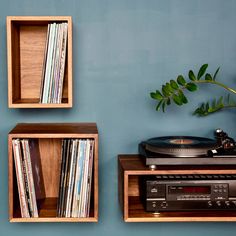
[190,189]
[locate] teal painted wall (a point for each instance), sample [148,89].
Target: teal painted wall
[122,50]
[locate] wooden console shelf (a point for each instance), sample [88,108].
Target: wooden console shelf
[49,138]
[26,41]
[131,168]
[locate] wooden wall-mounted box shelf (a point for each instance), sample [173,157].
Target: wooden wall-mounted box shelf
[26,40]
[49,138]
[131,168]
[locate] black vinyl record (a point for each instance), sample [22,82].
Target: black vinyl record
[180,146]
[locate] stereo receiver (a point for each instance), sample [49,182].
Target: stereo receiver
[190,192]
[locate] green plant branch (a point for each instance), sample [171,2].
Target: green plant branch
[216,83]
[205,109]
[173,91]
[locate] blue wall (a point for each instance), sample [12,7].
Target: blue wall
[122,50]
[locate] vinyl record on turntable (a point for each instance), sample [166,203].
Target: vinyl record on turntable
[185,150]
[180,146]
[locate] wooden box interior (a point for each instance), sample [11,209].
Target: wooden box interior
[28,49]
[50,158]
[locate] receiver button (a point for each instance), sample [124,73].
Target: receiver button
[209,203]
[154,190]
[227,203]
[164,204]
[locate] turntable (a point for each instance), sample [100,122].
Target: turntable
[189,150]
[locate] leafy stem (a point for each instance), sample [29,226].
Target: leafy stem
[206,109]
[216,83]
[173,91]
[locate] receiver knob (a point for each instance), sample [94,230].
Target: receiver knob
[218,203]
[154,205]
[227,203]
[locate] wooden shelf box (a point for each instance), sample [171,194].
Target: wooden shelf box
[26,40]
[131,168]
[49,138]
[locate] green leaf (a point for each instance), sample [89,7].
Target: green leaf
[157,95]
[169,88]
[153,95]
[208,77]
[163,106]
[182,97]
[213,105]
[181,80]
[211,110]
[174,85]
[214,77]
[220,102]
[168,102]
[165,91]
[177,100]
[230,101]
[191,75]
[202,71]
[191,87]
[202,110]
[202,106]
[159,105]
[197,111]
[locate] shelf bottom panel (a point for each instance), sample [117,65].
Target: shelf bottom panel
[53,219]
[34,103]
[48,213]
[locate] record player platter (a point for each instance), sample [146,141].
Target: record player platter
[183,150]
[180,146]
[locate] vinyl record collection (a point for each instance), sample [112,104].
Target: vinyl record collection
[25,179]
[76,178]
[74,188]
[54,63]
